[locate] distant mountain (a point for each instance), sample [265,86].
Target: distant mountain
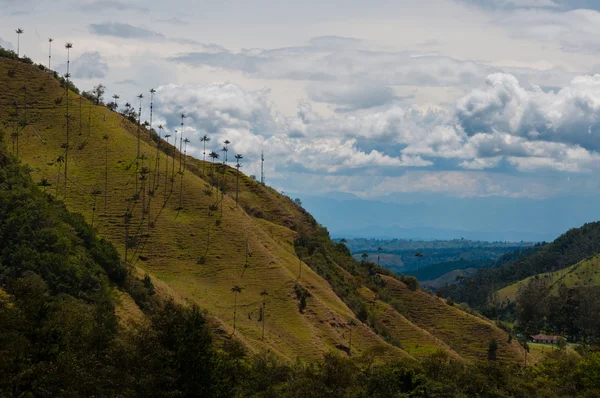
[442,217]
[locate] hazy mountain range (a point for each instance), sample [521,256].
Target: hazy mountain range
[410,216]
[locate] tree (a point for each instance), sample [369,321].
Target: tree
[50,40]
[238,157]
[19,33]
[157,168]
[204,140]
[68,47]
[44,183]
[492,350]
[98,93]
[236,289]
[419,255]
[105,138]
[213,155]
[264,295]
[94,194]
[115,104]
[364,257]
[351,324]
[167,136]
[227,142]
[181,141]
[379,249]
[140,97]
[173,165]
[298,202]
[60,160]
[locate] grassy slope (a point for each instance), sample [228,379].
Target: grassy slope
[179,238]
[466,334]
[584,273]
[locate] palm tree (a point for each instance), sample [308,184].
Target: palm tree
[213,155]
[167,136]
[19,33]
[182,171]
[95,194]
[60,160]
[352,323]
[181,141]
[50,40]
[141,96]
[105,138]
[44,183]
[157,169]
[238,157]
[379,249]
[236,289]
[364,257]
[264,295]
[227,142]
[224,150]
[419,255]
[68,47]
[116,98]
[173,165]
[204,140]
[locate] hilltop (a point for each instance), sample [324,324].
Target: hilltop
[187,232]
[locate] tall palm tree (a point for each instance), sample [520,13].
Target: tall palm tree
[236,289]
[181,141]
[157,178]
[213,155]
[419,256]
[173,165]
[352,323]
[204,140]
[182,171]
[238,157]
[227,142]
[264,295]
[379,249]
[94,194]
[151,189]
[167,136]
[19,33]
[224,150]
[140,97]
[68,47]
[50,40]
[105,138]
[60,160]
[116,98]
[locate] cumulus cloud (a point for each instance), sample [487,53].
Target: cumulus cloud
[350,96]
[89,65]
[570,115]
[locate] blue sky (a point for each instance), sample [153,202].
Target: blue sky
[452,97]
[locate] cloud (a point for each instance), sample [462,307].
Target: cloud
[570,115]
[351,96]
[6,44]
[127,31]
[124,31]
[89,65]
[111,5]
[574,31]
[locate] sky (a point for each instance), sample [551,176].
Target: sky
[464,98]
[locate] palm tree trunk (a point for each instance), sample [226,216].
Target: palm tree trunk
[105,176]
[234,310]
[264,315]
[237,186]
[173,165]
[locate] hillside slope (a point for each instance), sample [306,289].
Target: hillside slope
[194,240]
[585,273]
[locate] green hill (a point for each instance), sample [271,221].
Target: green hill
[196,244]
[570,248]
[586,273]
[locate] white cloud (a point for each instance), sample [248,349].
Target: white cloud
[89,65]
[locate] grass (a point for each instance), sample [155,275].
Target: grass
[582,274]
[465,334]
[175,249]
